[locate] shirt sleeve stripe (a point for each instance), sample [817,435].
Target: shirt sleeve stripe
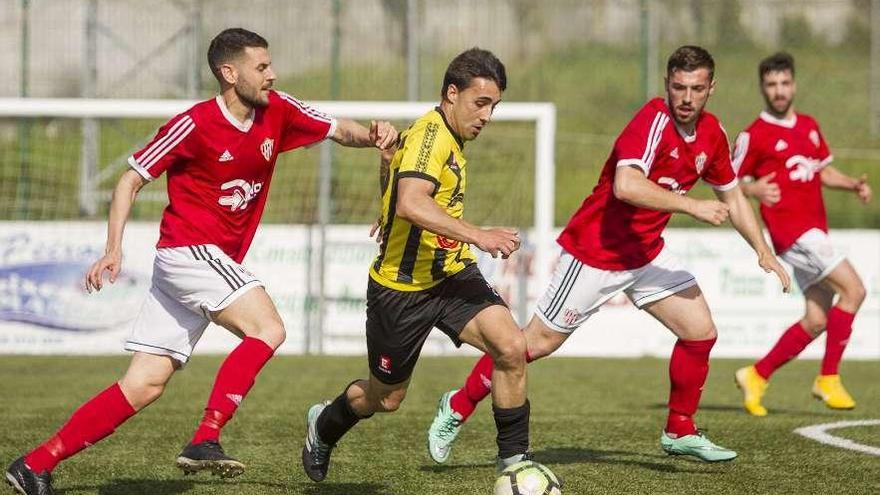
[739,151]
[156,146]
[140,170]
[726,187]
[305,109]
[178,137]
[658,136]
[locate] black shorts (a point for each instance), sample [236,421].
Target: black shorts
[398,322]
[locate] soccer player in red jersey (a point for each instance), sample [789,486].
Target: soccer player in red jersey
[788,155]
[219,157]
[614,243]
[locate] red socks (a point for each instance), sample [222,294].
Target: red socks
[837,337]
[234,379]
[477,387]
[688,369]
[792,342]
[93,421]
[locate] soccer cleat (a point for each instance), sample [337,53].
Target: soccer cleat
[502,464]
[316,453]
[696,445]
[829,389]
[444,429]
[27,482]
[208,455]
[753,387]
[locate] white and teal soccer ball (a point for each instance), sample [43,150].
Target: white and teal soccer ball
[527,478]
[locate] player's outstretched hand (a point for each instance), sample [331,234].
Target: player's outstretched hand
[498,241]
[711,211]
[767,192]
[769,263]
[382,134]
[112,262]
[864,190]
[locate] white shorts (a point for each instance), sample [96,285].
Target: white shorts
[189,283]
[576,290]
[813,257]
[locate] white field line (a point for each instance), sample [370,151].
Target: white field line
[820,434]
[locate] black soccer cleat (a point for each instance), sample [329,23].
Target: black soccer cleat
[208,455]
[26,482]
[315,453]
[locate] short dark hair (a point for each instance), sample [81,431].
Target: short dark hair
[229,44]
[690,58]
[472,63]
[778,62]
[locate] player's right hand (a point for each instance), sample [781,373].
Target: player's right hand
[112,262]
[498,241]
[711,211]
[767,192]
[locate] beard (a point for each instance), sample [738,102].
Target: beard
[774,105]
[250,96]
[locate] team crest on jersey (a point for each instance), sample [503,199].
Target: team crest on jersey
[700,162]
[570,316]
[266,148]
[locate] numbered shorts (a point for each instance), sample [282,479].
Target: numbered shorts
[577,290]
[188,284]
[398,322]
[813,257]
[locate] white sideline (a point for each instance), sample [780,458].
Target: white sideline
[819,434]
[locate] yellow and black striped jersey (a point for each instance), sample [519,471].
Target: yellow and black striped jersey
[412,258]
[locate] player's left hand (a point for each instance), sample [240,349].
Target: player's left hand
[864,190]
[768,262]
[382,134]
[376,231]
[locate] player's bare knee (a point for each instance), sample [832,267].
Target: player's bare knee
[141,393]
[814,324]
[273,334]
[542,341]
[510,353]
[389,402]
[856,294]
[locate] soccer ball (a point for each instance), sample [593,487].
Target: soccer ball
[527,478]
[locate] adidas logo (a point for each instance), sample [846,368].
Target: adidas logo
[781,145]
[226,156]
[674,153]
[235,398]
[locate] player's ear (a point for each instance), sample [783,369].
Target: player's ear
[452,93]
[230,75]
[712,87]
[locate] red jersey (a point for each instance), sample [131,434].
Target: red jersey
[219,169]
[610,234]
[796,150]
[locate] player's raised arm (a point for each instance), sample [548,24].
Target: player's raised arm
[743,220]
[123,197]
[381,134]
[415,205]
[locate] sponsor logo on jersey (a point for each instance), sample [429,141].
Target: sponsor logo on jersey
[241,192]
[781,145]
[700,162]
[674,153]
[266,148]
[447,243]
[385,363]
[814,137]
[801,168]
[672,184]
[225,157]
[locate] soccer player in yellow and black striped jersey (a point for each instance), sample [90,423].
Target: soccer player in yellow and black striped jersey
[425,275]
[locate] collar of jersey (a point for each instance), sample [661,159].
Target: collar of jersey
[241,126]
[449,128]
[787,123]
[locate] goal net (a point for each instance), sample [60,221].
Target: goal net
[60,158]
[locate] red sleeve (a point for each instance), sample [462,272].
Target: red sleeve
[824,153]
[719,171]
[745,155]
[303,125]
[173,144]
[637,143]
